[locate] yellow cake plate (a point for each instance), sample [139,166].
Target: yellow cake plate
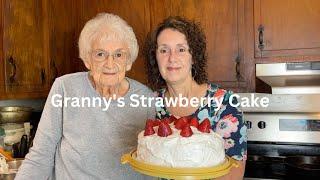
[178,173]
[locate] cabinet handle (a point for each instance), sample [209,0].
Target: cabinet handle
[238,75]
[261,42]
[55,70]
[43,76]
[14,69]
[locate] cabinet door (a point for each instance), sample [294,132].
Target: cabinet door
[2,79]
[135,13]
[286,27]
[62,44]
[220,21]
[23,46]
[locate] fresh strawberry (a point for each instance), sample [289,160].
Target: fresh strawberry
[180,119]
[194,122]
[186,131]
[149,131]
[164,130]
[156,122]
[166,120]
[181,122]
[172,119]
[205,126]
[175,122]
[190,118]
[149,123]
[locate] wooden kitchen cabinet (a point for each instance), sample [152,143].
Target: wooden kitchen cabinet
[222,23]
[62,38]
[23,52]
[38,44]
[286,28]
[39,38]
[2,82]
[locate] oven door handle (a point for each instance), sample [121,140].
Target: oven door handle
[269,159]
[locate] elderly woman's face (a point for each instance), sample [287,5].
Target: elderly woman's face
[109,61]
[173,56]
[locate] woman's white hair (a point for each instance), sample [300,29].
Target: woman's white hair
[109,26]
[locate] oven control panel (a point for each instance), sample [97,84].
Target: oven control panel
[283,127]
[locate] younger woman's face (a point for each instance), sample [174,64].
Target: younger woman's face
[173,56]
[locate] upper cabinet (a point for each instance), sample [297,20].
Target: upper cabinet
[62,38]
[38,39]
[23,46]
[286,28]
[2,79]
[222,22]
[37,45]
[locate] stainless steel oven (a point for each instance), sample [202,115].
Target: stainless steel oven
[283,145]
[284,138]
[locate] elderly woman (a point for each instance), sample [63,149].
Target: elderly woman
[176,61]
[83,140]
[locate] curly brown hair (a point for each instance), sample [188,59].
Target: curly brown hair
[197,47]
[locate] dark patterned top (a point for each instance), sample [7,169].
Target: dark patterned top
[226,120]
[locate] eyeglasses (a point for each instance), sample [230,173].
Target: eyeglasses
[101,55]
[179,51]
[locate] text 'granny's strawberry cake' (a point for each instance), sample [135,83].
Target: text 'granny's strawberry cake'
[180,142]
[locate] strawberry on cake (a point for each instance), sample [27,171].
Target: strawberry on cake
[180,142]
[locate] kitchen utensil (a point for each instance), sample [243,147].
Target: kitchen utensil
[15,114]
[30,143]
[27,128]
[23,146]
[15,150]
[178,173]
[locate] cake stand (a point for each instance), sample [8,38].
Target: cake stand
[178,173]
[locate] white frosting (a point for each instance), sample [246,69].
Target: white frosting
[198,150]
